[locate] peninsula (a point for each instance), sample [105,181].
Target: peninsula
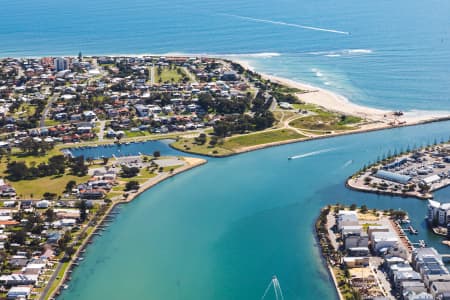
[370,256]
[54,202]
[416,173]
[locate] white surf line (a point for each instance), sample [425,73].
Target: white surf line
[312,153]
[288,24]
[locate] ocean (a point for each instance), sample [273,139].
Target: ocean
[221,231]
[396,55]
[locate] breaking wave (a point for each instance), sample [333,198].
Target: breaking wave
[344,52]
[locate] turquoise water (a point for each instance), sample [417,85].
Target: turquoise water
[402,47]
[222,230]
[148,148]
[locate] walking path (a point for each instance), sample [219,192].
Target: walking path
[101,133]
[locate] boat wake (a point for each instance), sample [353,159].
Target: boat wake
[348,163]
[287,24]
[311,153]
[276,288]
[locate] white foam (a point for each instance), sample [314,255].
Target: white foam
[317,72]
[287,24]
[255,55]
[343,52]
[312,153]
[426,113]
[360,51]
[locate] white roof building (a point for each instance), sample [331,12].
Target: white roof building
[22,292]
[347,218]
[385,240]
[431,179]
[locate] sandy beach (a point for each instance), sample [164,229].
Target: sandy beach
[375,118]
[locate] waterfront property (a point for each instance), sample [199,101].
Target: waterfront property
[416,173]
[370,257]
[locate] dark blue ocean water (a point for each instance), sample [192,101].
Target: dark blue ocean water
[396,56]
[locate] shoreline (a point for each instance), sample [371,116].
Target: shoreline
[307,139]
[338,103]
[376,119]
[191,163]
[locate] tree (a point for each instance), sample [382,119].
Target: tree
[156,153]
[128,172]
[364,209]
[105,160]
[132,185]
[78,167]
[70,251]
[398,214]
[57,164]
[19,237]
[49,196]
[82,205]
[50,215]
[70,185]
[17,170]
[353,207]
[201,139]
[64,240]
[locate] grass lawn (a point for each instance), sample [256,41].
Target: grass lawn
[281,116]
[131,134]
[261,138]
[233,143]
[25,110]
[325,121]
[57,281]
[167,75]
[189,145]
[39,186]
[49,122]
[167,169]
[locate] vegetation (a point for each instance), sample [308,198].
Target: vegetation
[36,188]
[170,74]
[128,172]
[261,138]
[19,170]
[324,120]
[132,185]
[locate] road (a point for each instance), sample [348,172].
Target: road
[46,109]
[58,268]
[101,133]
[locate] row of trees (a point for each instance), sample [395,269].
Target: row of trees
[222,105]
[29,146]
[243,123]
[56,165]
